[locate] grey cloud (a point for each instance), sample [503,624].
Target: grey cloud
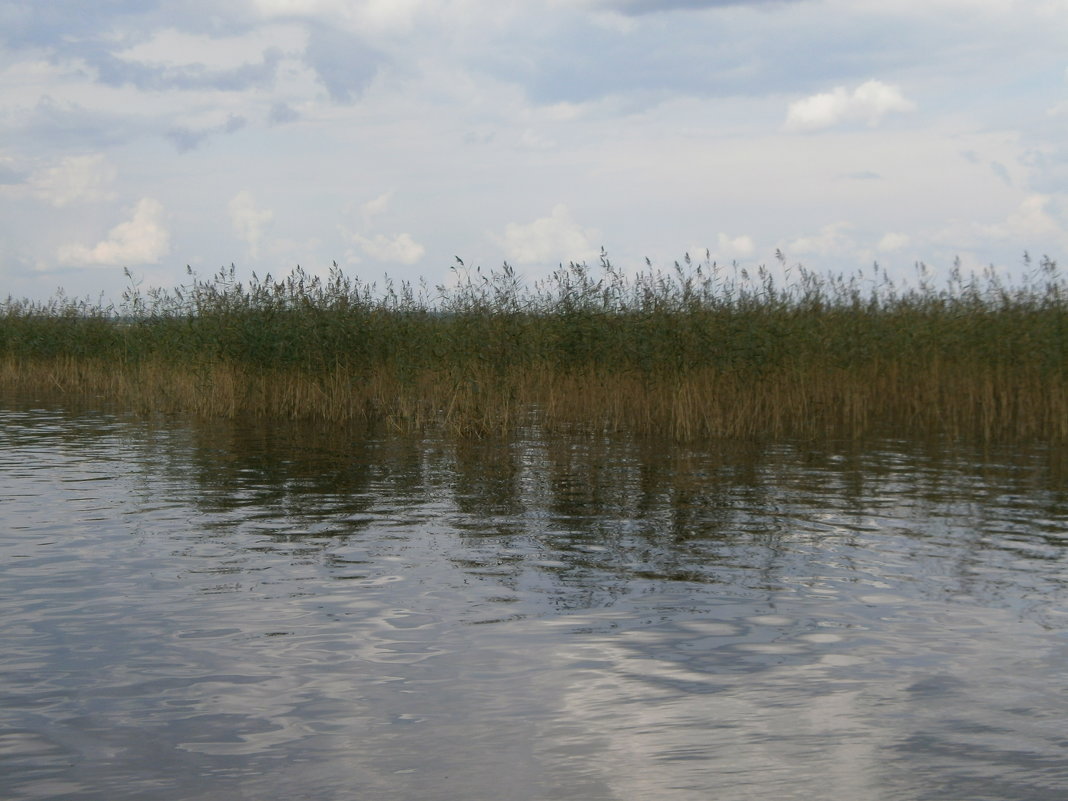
[479,137]
[47,24]
[69,125]
[1002,172]
[281,113]
[233,124]
[119,72]
[662,62]
[9,176]
[1048,167]
[344,64]
[999,169]
[74,30]
[704,56]
[185,139]
[56,24]
[640,7]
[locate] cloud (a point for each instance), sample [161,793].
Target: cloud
[142,239]
[282,113]
[44,24]
[868,103]
[864,175]
[72,126]
[344,64]
[555,238]
[1038,220]
[661,115]
[532,140]
[1002,172]
[75,179]
[373,208]
[733,247]
[639,7]
[390,15]
[248,221]
[578,61]
[831,240]
[173,47]
[398,249]
[114,70]
[376,17]
[10,175]
[395,249]
[1031,218]
[893,241]
[185,139]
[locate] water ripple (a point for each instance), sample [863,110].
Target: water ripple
[203,610]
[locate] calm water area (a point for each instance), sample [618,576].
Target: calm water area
[216,610]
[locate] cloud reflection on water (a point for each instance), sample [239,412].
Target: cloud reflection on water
[283,611]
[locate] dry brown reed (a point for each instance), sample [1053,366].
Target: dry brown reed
[888,399]
[689,356]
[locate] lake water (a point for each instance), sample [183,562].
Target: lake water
[194,610]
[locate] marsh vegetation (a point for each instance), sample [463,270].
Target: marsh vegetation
[698,351]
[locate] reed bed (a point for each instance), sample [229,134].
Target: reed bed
[696,352]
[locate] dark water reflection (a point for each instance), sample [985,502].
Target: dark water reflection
[208,611]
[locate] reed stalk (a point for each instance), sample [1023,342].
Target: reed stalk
[695,353]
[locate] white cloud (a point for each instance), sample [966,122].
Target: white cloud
[172,47]
[831,240]
[376,207]
[287,8]
[1031,218]
[142,239]
[390,14]
[893,241]
[555,238]
[656,151]
[641,7]
[375,16]
[398,249]
[249,221]
[733,247]
[10,173]
[75,179]
[868,103]
[394,249]
[532,140]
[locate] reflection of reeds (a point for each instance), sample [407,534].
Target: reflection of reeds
[697,352]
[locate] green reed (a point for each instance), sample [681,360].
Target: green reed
[695,351]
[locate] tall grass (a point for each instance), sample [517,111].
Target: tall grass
[694,352]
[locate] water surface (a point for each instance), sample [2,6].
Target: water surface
[195,610]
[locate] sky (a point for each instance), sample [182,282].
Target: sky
[392,136]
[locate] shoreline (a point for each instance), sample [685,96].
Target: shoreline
[690,355]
